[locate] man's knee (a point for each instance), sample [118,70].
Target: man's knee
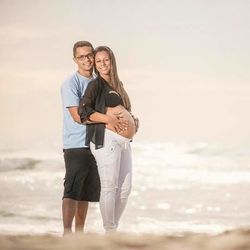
[82,208]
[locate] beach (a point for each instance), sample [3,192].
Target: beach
[231,240]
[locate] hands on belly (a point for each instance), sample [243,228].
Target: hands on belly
[117,122]
[121,121]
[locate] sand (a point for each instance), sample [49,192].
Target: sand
[230,240]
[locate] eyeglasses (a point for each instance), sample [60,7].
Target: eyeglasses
[84,57]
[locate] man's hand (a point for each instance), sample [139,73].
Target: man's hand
[136,121]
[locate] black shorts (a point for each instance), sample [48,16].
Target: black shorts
[82,181]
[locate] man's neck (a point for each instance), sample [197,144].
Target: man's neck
[87,74]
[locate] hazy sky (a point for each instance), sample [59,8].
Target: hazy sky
[185,65]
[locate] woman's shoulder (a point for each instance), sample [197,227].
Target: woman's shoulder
[94,85]
[96,82]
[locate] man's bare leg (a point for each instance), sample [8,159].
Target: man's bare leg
[68,213]
[80,215]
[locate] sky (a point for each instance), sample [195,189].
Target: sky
[185,65]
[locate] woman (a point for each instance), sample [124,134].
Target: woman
[105,107]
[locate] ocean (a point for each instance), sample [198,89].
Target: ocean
[177,187]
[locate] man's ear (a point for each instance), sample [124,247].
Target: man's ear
[74,59]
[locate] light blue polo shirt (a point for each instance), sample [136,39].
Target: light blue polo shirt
[74,134]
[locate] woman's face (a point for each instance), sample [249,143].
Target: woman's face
[102,63]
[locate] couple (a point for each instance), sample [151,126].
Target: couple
[98,128]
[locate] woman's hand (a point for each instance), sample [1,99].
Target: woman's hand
[117,121]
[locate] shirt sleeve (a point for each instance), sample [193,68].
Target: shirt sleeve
[70,96]
[87,103]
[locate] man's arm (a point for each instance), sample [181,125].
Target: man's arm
[97,117]
[74,114]
[94,118]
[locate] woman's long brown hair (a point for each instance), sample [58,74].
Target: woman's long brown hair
[116,84]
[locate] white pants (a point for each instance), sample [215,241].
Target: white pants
[114,164]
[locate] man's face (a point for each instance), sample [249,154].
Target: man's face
[84,58]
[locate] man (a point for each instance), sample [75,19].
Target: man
[82,184]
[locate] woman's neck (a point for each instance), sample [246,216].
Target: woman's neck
[107,78]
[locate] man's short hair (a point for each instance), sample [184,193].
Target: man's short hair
[81,44]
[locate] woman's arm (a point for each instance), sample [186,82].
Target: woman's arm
[86,110]
[114,119]
[89,115]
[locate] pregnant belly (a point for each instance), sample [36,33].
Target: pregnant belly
[130,131]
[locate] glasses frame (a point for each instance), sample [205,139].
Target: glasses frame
[84,57]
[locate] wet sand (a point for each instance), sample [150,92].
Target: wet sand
[230,240]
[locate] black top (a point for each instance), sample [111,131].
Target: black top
[98,95]
[112,99]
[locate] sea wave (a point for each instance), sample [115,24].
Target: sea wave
[8,164]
